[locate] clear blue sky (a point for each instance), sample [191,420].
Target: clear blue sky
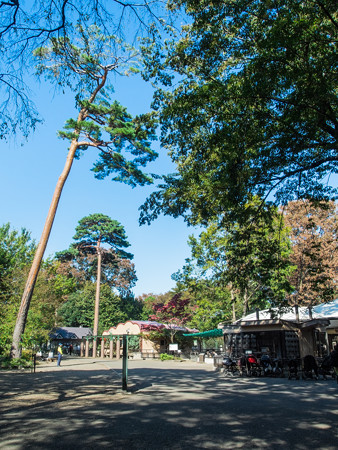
[28,175]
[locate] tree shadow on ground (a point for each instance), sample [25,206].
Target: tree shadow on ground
[169,408]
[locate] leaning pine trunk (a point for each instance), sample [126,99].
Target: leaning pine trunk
[33,273]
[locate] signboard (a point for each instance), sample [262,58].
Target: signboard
[173,347]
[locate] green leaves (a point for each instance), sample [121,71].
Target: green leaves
[132,134]
[99,234]
[252,109]
[250,259]
[16,251]
[123,141]
[99,229]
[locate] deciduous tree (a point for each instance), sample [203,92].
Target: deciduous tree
[175,313]
[250,261]
[248,105]
[16,251]
[78,310]
[313,233]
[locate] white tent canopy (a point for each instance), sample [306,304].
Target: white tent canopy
[323,311]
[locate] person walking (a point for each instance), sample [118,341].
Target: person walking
[59,354]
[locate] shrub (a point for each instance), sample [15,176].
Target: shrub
[16,363]
[165,356]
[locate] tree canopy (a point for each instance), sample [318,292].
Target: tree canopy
[123,141]
[78,310]
[100,229]
[24,26]
[250,261]
[313,231]
[16,250]
[248,106]
[53,285]
[175,313]
[94,234]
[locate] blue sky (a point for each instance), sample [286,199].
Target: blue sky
[29,172]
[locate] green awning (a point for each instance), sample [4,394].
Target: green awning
[210,333]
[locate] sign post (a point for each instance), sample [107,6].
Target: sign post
[125,363]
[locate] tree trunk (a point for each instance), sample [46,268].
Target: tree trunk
[245,302]
[33,273]
[233,304]
[97,298]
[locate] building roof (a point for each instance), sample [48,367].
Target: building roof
[70,333]
[135,327]
[146,324]
[323,311]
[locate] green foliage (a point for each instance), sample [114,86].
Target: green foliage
[250,261]
[132,308]
[25,362]
[7,320]
[213,304]
[92,233]
[147,305]
[123,141]
[85,69]
[247,98]
[134,343]
[166,357]
[51,290]
[101,229]
[25,26]
[6,363]
[78,310]
[88,256]
[16,250]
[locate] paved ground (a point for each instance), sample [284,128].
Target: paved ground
[172,405]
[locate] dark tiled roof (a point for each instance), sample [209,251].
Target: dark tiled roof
[70,333]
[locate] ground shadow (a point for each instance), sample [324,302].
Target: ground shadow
[170,407]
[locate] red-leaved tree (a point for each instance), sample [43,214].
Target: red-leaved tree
[175,314]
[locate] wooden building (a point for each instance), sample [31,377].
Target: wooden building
[292,333]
